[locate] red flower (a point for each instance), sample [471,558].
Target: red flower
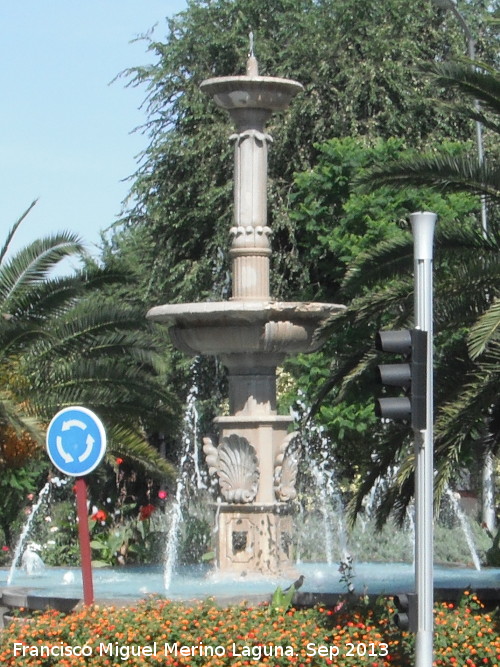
[100,515]
[145,511]
[5,548]
[119,461]
[162,494]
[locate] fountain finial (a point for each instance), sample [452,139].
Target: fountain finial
[252,64]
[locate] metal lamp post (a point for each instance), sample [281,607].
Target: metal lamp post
[422,224]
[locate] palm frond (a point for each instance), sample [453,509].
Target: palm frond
[63,342]
[46,299]
[33,264]
[462,420]
[92,325]
[15,337]
[491,360]
[11,233]
[473,113]
[387,258]
[347,370]
[456,307]
[133,445]
[467,272]
[485,330]
[389,303]
[392,449]
[442,171]
[476,80]
[14,415]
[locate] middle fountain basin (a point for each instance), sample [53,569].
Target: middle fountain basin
[232,327]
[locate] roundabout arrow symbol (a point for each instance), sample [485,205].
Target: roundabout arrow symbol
[73,422]
[90,443]
[62,452]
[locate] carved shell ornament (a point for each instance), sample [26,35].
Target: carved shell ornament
[211,455]
[286,467]
[236,464]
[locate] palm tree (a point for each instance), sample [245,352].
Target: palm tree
[379,289]
[467,304]
[64,342]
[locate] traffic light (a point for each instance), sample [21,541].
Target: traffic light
[411,375]
[406,617]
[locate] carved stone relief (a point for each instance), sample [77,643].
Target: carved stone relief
[286,466]
[236,465]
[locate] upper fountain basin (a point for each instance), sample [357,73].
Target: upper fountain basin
[251,92]
[233,327]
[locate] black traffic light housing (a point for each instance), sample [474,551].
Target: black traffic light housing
[406,617]
[411,375]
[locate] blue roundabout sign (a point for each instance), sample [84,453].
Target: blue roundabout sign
[76,441]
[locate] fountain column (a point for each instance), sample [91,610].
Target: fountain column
[252,536]
[254,458]
[250,250]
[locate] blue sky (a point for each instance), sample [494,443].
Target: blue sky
[65,132]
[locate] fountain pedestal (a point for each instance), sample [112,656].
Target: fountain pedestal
[255,539]
[255,459]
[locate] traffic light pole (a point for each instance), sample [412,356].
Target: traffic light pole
[423,236]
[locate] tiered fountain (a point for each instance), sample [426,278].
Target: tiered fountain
[251,334]
[255,459]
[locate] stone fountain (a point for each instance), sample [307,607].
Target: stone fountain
[254,460]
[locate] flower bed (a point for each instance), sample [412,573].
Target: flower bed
[157,631]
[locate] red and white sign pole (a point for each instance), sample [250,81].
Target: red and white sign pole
[84,539]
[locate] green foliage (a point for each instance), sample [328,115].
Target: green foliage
[110,545]
[466,270]
[195,540]
[467,283]
[124,525]
[337,221]
[64,342]
[16,483]
[282,599]
[127,523]
[357,238]
[126,541]
[364,83]
[58,537]
[378,283]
